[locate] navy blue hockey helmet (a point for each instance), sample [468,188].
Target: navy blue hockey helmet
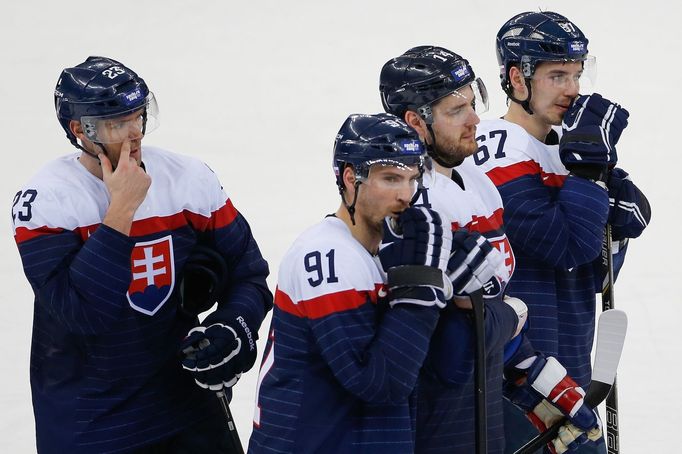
[423,75]
[366,140]
[100,89]
[532,37]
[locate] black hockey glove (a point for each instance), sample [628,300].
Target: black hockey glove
[629,209]
[204,277]
[217,353]
[591,129]
[473,262]
[416,261]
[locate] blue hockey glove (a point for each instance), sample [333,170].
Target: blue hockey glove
[541,388]
[219,353]
[629,209]
[591,129]
[416,261]
[472,263]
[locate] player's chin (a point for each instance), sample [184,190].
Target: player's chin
[556,115]
[468,146]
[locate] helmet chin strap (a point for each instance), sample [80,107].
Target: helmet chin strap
[75,143]
[525,103]
[433,151]
[351,207]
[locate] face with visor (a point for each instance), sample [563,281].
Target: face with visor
[382,188]
[454,120]
[448,124]
[108,133]
[555,84]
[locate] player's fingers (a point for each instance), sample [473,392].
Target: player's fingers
[106,165]
[124,156]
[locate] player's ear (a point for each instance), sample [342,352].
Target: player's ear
[77,129]
[518,83]
[417,123]
[348,177]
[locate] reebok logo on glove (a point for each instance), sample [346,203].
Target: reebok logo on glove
[247,331]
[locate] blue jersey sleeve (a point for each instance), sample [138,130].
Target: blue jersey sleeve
[373,351]
[248,294]
[562,229]
[81,284]
[377,363]
[229,233]
[451,359]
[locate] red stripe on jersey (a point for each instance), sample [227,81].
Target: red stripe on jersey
[85,232]
[22,234]
[219,218]
[157,224]
[552,179]
[328,304]
[501,175]
[483,224]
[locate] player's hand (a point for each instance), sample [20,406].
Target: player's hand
[629,209]
[591,129]
[219,353]
[128,183]
[416,261]
[423,240]
[472,262]
[570,437]
[542,388]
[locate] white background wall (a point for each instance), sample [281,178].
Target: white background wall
[259,90]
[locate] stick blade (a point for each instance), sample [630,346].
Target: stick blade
[610,338]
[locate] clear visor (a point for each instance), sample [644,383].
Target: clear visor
[393,174]
[474,97]
[582,78]
[127,125]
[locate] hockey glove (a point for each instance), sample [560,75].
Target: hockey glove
[203,280]
[416,261]
[629,210]
[591,129]
[472,263]
[218,354]
[541,388]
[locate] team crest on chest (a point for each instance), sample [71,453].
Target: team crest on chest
[153,270]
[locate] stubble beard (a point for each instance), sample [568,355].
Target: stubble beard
[451,153]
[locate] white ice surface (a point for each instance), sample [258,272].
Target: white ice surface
[258,90]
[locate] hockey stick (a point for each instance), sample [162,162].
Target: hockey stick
[207,269]
[224,403]
[236,442]
[610,339]
[612,438]
[481,413]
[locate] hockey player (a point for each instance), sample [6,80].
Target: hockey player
[104,234]
[558,194]
[347,342]
[438,94]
